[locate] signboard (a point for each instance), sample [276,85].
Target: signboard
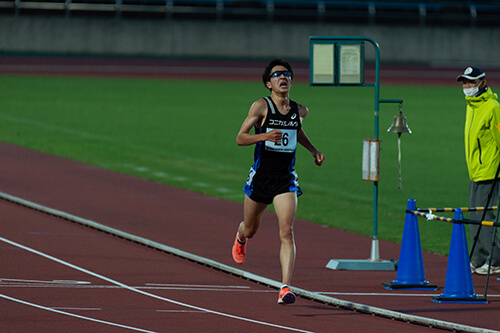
[334,62]
[323,59]
[350,63]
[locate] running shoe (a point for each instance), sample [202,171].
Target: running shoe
[286,296]
[483,270]
[239,250]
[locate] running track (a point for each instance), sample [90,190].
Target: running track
[221,69]
[95,281]
[181,296]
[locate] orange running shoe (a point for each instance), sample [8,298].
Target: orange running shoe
[239,251]
[286,296]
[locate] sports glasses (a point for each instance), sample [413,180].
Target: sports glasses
[278,74]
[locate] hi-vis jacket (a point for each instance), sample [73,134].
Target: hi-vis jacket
[482,136]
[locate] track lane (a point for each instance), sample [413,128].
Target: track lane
[106,253]
[44,281]
[107,201]
[91,249]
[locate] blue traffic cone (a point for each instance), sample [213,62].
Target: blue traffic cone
[458,287]
[411,274]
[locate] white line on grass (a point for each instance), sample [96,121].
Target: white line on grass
[139,291]
[118,142]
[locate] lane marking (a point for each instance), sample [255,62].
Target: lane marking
[328,300]
[66,234]
[144,292]
[160,174]
[384,294]
[73,315]
[138,310]
[71,308]
[41,281]
[180,311]
[223,190]
[194,285]
[20,283]
[75,132]
[168,286]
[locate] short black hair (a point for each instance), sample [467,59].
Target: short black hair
[266,76]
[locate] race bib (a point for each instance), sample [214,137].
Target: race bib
[288,142]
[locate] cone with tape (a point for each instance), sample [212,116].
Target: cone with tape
[458,286]
[411,273]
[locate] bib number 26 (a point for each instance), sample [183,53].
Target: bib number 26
[288,142]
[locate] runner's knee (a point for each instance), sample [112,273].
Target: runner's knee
[286,234]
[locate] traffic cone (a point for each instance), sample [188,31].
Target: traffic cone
[458,287]
[411,274]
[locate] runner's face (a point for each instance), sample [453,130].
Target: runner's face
[280,83]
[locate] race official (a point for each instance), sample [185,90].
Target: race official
[482,153]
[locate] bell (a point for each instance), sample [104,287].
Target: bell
[399,124]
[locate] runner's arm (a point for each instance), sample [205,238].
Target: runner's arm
[257,113]
[319,157]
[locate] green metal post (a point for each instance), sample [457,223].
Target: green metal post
[375,248]
[374,263]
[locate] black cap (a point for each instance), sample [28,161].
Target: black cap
[471,73]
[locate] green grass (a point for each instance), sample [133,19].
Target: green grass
[182,133]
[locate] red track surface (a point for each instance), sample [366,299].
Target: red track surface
[220,69]
[194,223]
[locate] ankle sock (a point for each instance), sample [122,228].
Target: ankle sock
[239,241]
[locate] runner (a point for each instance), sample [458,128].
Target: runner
[272,179]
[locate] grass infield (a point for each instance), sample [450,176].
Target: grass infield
[182,133]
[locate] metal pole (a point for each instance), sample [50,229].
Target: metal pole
[375,256]
[484,212]
[374,263]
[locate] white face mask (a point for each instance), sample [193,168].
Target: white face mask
[471,92]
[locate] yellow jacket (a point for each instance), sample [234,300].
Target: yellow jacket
[482,136]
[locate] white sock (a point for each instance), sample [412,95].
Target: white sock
[239,240]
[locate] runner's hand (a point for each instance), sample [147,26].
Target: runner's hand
[274,136]
[319,158]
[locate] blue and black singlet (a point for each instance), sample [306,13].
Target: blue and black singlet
[273,170]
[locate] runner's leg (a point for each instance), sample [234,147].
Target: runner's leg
[253,212]
[285,206]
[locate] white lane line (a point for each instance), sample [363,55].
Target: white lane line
[103,309]
[74,315]
[384,294]
[73,308]
[21,283]
[42,281]
[376,294]
[90,286]
[146,293]
[180,311]
[195,285]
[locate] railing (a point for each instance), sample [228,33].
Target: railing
[411,12]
